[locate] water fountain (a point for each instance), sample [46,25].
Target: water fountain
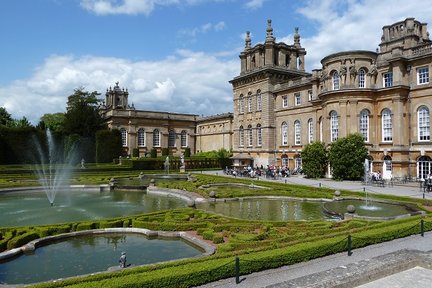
[50,175]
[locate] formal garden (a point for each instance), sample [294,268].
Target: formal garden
[242,245]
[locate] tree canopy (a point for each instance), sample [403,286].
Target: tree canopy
[347,157]
[314,160]
[82,116]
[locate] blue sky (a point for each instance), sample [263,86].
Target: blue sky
[172,55]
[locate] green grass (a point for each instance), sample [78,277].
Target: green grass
[264,242]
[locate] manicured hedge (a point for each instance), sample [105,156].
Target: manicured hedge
[108,145]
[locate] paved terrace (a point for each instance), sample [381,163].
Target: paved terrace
[405,262]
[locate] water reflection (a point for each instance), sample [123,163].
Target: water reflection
[267,209]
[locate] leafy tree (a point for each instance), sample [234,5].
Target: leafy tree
[55,122]
[5,117]
[314,160]
[82,115]
[21,123]
[347,157]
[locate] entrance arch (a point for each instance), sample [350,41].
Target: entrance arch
[387,168]
[424,167]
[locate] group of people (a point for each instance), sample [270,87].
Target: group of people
[272,172]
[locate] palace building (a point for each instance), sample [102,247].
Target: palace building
[385,95]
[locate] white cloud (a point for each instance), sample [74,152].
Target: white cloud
[131,7]
[254,4]
[353,25]
[205,28]
[187,82]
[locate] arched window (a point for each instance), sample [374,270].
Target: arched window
[171,138]
[387,128]
[259,135]
[156,138]
[297,133]
[423,119]
[249,102]
[241,136]
[310,131]
[241,104]
[141,137]
[250,139]
[334,126]
[259,101]
[361,78]
[284,132]
[364,124]
[284,159]
[424,167]
[335,78]
[387,167]
[124,136]
[183,139]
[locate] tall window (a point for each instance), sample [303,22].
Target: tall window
[388,79]
[156,138]
[124,136]
[183,139]
[297,99]
[321,129]
[259,135]
[335,79]
[387,129]
[361,78]
[141,137]
[297,133]
[423,75]
[259,101]
[423,124]
[250,139]
[171,138]
[364,124]
[241,136]
[284,130]
[310,131]
[249,101]
[285,101]
[241,104]
[310,95]
[334,126]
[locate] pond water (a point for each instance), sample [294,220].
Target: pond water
[278,209]
[33,208]
[369,209]
[89,254]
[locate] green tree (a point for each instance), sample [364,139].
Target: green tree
[5,117]
[347,156]
[82,114]
[21,123]
[314,160]
[55,122]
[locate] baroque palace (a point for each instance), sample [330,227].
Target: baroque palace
[385,95]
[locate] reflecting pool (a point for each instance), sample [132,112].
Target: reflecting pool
[273,209]
[370,208]
[33,208]
[88,254]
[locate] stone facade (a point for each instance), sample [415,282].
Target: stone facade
[384,95]
[145,130]
[279,107]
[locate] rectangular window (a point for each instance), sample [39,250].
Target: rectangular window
[259,102]
[249,103]
[388,79]
[297,99]
[310,95]
[285,101]
[387,128]
[423,75]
